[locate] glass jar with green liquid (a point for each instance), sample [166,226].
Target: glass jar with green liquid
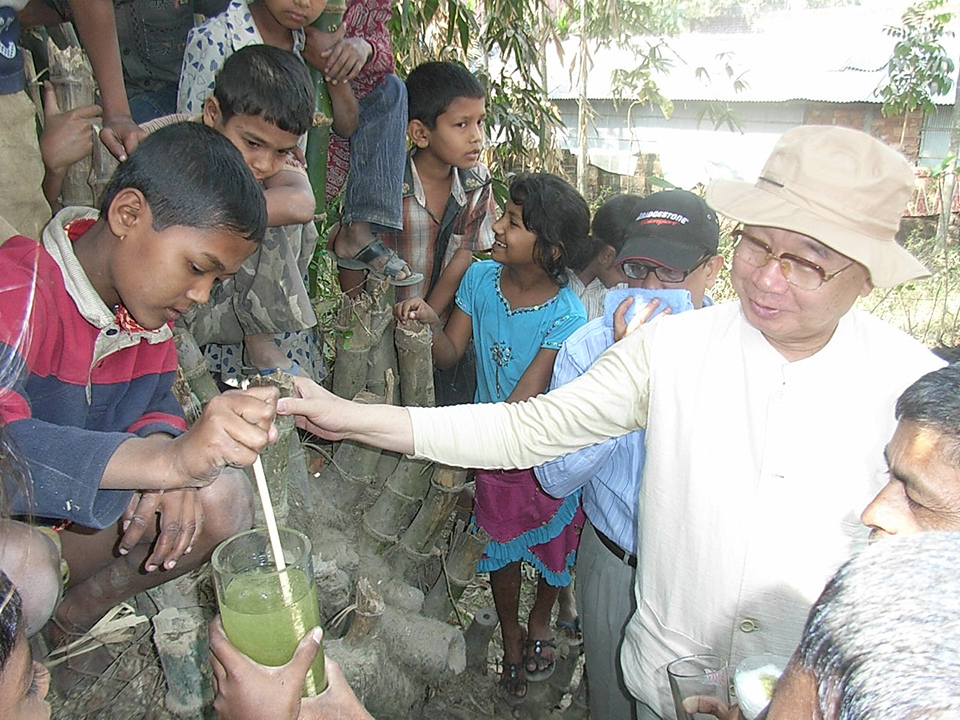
[266,612]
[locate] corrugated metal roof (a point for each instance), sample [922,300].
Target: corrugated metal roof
[826,56]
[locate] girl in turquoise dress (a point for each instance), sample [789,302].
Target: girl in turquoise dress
[518,312]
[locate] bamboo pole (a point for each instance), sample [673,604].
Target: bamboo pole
[180,638]
[194,366]
[318,137]
[398,503]
[366,615]
[459,570]
[354,333]
[72,78]
[276,457]
[477,639]
[383,354]
[345,479]
[414,342]
[445,486]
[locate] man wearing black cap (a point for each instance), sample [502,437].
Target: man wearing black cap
[672,244]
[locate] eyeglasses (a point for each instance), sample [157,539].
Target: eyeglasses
[639,271]
[796,271]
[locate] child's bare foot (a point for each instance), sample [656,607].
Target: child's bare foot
[540,659]
[357,248]
[568,621]
[72,660]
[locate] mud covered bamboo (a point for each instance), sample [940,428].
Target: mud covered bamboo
[445,486]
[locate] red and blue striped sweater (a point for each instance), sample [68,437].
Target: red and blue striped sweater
[76,378]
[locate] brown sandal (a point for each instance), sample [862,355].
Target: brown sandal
[539,674]
[509,687]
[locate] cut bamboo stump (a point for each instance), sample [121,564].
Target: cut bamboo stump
[194,367]
[72,77]
[414,342]
[477,639]
[382,361]
[103,165]
[445,485]
[276,457]
[344,480]
[180,637]
[366,615]
[459,570]
[354,332]
[398,503]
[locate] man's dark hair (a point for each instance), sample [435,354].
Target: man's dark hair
[612,219]
[267,81]
[11,619]
[560,218]
[934,400]
[881,641]
[193,176]
[433,86]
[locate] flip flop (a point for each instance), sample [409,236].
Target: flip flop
[571,630]
[394,265]
[507,688]
[536,656]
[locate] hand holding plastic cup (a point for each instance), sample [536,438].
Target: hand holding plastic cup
[697,681]
[265,612]
[754,681]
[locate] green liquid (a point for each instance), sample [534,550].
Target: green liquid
[265,629]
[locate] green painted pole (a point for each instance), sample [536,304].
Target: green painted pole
[318,137]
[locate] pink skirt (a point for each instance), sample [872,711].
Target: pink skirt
[525,523]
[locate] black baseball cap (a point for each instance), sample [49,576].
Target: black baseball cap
[673,228]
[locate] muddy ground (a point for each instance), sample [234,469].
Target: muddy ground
[133,687]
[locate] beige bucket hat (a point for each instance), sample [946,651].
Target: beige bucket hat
[839,186]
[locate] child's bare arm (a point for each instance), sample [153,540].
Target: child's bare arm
[344,61]
[346,109]
[97,27]
[232,430]
[290,199]
[536,377]
[67,138]
[450,343]
[416,308]
[442,294]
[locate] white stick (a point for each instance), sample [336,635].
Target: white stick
[272,532]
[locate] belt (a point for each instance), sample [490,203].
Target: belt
[622,555]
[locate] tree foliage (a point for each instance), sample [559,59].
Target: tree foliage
[502,41]
[919,67]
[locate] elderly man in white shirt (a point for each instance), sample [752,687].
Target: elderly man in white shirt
[742,519]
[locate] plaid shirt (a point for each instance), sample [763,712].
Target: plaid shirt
[471,208]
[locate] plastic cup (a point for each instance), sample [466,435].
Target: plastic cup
[697,681]
[265,613]
[754,680]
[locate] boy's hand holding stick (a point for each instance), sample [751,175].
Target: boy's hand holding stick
[232,430]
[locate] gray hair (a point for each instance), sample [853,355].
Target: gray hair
[934,400]
[882,638]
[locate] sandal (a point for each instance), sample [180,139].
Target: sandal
[572,630]
[509,687]
[393,266]
[539,674]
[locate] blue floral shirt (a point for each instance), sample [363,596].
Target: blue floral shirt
[210,44]
[508,339]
